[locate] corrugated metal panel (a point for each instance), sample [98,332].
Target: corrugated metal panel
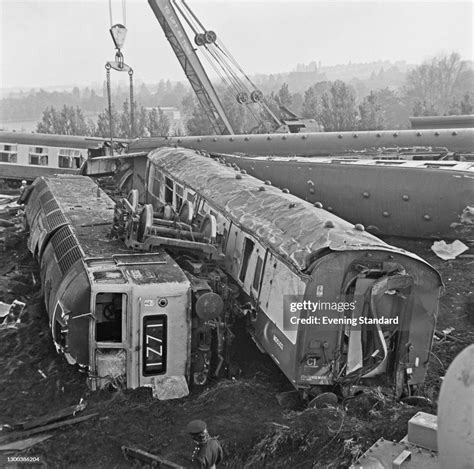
[89,212]
[48,203]
[54,216]
[66,248]
[55,220]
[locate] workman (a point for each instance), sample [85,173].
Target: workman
[207,453]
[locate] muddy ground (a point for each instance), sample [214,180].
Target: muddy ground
[254,429]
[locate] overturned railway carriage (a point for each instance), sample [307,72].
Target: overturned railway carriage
[284,253]
[123,317]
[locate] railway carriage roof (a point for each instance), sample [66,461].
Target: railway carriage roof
[292,227]
[78,201]
[81,210]
[51,140]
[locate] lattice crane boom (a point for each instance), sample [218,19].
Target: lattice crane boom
[192,66]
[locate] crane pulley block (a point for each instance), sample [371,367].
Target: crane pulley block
[119,33]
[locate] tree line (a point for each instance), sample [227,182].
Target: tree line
[441,86]
[70,120]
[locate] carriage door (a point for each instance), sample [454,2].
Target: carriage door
[110,338]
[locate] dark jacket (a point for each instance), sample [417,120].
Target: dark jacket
[207,455]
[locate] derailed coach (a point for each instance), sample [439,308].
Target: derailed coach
[371,308]
[120,316]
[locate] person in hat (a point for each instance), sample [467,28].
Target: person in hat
[207,452]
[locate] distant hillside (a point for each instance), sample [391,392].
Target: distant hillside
[363,76]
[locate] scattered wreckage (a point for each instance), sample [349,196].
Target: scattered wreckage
[434,441]
[219,246]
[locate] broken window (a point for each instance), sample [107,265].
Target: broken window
[109,313]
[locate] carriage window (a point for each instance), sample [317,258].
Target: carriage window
[168,190]
[7,157]
[258,273]
[179,196]
[109,311]
[8,154]
[38,156]
[248,248]
[69,158]
[156,185]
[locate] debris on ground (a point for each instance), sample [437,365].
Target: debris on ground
[11,229]
[447,251]
[4,309]
[50,418]
[13,315]
[21,445]
[9,206]
[14,436]
[148,458]
[245,413]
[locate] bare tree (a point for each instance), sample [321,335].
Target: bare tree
[433,85]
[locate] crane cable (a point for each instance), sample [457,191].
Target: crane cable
[121,67]
[226,67]
[185,16]
[124,13]
[198,28]
[242,84]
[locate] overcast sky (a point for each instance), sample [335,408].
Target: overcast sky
[45,43]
